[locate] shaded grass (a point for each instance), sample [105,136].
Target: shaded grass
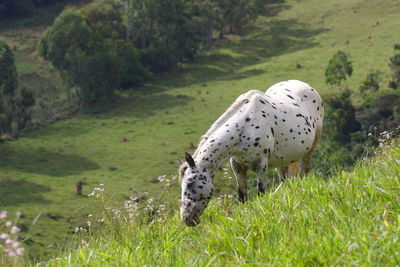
[350,219]
[163,115]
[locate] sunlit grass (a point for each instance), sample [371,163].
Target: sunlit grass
[350,219]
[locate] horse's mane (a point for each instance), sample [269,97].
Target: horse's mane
[226,115]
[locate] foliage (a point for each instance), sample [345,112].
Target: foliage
[371,82]
[339,67]
[90,50]
[165,33]
[8,72]
[17,8]
[168,32]
[340,116]
[395,67]
[14,103]
[381,111]
[349,218]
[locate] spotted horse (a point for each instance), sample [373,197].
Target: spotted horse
[275,129]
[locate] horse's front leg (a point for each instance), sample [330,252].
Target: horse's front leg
[262,175]
[240,174]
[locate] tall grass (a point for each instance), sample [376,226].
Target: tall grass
[350,219]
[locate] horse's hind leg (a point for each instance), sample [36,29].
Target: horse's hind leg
[305,162]
[240,174]
[283,172]
[262,175]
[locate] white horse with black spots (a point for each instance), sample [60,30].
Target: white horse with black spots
[259,130]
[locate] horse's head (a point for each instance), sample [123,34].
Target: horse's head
[197,188]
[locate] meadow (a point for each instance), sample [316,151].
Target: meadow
[159,119]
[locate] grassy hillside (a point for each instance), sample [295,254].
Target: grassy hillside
[350,219]
[38,172]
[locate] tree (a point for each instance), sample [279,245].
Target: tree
[17,8]
[339,68]
[395,67]
[371,82]
[164,32]
[14,103]
[340,118]
[89,49]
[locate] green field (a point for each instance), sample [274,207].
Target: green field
[159,119]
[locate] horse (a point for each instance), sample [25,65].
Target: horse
[276,129]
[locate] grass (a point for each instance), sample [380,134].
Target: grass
[350,219]
[38,172]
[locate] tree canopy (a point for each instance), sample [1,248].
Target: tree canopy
[13,103]
[89,48]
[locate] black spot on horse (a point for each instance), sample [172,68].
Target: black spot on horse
[272,131]
[247,119]
[262,102]
[291,97]
[255,144]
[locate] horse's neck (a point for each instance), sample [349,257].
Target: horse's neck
[214,151]
[231,111]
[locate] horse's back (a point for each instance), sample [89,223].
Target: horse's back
[294,92]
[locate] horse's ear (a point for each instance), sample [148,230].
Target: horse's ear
[180,162]
[190,160]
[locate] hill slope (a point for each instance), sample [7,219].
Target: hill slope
[351,219]
[38,172]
